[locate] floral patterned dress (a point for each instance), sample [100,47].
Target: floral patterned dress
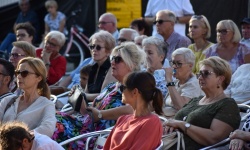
[69,126]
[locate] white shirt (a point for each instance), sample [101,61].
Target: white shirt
[39,116]
[245,41]
[179,7]
[43,142]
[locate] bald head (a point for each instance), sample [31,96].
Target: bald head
[127,34]
[108,22]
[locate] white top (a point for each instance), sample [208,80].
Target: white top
[179,7]
[39,116]
[190,89]
[43,142]
[239,88]
[245,41]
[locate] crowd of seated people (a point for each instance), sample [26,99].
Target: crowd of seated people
[164,82]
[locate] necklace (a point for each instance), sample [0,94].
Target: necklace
[206,100]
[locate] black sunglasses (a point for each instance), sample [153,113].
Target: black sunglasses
[222,31]
[97,47]
[122,88]
[177,64]
[48,43]
[15,55]
[117,59]
[204,73]
[122,40]
[23,73]
[161,21]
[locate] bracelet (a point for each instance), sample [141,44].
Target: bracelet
[170,84]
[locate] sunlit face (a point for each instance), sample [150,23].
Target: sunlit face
[16,55]
[181,66]
[196,30]
[154,60]
[51,46]
[98,51]
[208,78]
[245,28]
[106,24]
[29,82]
[119,68]
[22,35]
[224,35]
[164,27]
[52,9]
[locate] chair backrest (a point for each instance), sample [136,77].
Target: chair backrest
[160,146]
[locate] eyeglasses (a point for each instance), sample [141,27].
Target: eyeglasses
[117,59]
[204,73]
[199,17]
[222,31]
[177,64]
[103,22]
[97,47]
[15,55]
[3,74]
[48,43]
[21,35]
[161,21]
[122,88]
[122,40]
[23,73]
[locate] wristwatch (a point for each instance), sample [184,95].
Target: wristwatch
[99,114]
[187,125]
[170,84]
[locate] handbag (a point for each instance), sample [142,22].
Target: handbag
[176,137]
[75,99]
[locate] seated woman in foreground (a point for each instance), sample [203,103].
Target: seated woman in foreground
[107,107]
[131,131]
[210,119]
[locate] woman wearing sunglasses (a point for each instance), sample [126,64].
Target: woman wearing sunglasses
[228,45]
[208,119]
[33,106]
[131,131]
[186,85]
[199,31]
[20,50]
[107,106]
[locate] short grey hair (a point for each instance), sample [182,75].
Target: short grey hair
[131,55]
[111,16]
[170,14]
[58,36]
[187,53]
[159,43]
[105,37]
[133,32]
[230,25]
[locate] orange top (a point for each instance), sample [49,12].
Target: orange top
[135,133]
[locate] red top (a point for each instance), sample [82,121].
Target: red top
[57,67]
[135,133]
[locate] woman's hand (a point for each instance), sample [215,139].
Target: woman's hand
[94,113]
[72,90]
[171,125]
[46,56]
[236,144]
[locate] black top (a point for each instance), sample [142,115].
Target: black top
[95,86]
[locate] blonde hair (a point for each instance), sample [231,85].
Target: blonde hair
[28,48]
[220,68]
[50,3]
[230,25]
[39,68]
[203,22]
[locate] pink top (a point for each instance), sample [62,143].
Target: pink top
[135,133]
[238,58]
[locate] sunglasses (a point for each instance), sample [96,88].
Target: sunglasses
[122,88]
[204,73]
[222,31]
[117,59]
[15,55]
[161,21]
[48,43]
[21,35]
[177,64]
[199,17]
[97,47]
[122,40]
[23,73]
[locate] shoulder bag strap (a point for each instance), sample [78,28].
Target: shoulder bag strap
[12,101]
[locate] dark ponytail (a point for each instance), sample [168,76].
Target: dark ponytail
[157,101]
